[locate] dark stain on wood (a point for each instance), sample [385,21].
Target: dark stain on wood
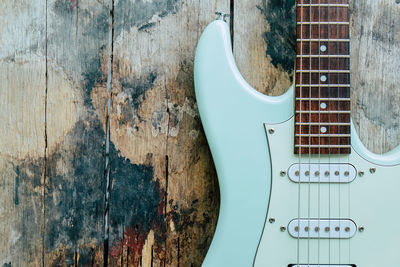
[75,193]
[281,37]
[16,198]
[139,13]
[136,89]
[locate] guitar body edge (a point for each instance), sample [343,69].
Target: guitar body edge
[233,116]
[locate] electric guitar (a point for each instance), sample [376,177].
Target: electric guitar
[298,188]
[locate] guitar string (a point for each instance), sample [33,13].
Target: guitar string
[339,132]
[329,131]
[300,129]
[349,103]
[309,136]
[319,127]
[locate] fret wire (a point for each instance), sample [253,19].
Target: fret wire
[323,23]
[323,5]
[323,99]
[323,135]
[322,56]
[327,71]
[324,123]
[323,146]
[323,85]
[322,40]
[324,111]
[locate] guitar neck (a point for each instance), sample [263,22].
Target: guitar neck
[322,114]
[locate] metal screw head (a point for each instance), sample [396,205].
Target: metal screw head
[361,173]
[283,228]
[317,229]
[283,173]
[271,130]
[361,229]
[347,229]
[372,170]
[327,173]
[306,228]
[327,229]
[307,173]
[271,220]
[346,173]
[296,228]
[337,173]
[317,173]
[337,228]
[297,173]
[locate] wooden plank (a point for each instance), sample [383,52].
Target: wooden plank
[264,51]
[77,47]
[375,39]
[164,198]
[22,109]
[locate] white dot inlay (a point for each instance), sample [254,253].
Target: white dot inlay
[323,129]
[323,48]
[323,78]
[323,105]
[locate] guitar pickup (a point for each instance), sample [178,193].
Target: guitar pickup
[322,228]
[322,173]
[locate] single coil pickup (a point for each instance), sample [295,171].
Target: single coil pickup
[322,228]
[318,265]
[322,173]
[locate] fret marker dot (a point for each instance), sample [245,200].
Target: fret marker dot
[323,48]
[323,78]
[323,129]
[323,105]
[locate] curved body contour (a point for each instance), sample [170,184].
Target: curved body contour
[249,161]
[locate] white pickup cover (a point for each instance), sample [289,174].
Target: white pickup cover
[322,228]
[322,173]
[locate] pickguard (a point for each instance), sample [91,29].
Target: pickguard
[369,201]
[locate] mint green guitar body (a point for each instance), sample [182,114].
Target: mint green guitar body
[258,200]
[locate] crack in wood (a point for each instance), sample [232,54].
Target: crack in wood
[107,148]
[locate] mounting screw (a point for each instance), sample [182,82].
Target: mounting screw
[271,131]
[283,228]
[361,173]
[283,173]
[271,220]
[361,229]
[372,170]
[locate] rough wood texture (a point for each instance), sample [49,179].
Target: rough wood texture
[163,201]
[77,44]
[22,114]
[164,198]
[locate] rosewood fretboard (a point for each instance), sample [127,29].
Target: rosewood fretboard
[322,115]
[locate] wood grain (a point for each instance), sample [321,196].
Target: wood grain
[77,42]
[164,198]
[163,202]
[22,110]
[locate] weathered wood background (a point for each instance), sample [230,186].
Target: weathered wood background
[155,201]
